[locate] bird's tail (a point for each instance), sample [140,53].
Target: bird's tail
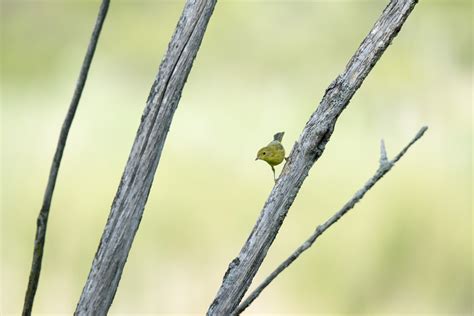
[278,136]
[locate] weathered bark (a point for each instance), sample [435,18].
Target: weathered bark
[127,208]
[305,152]
[42,220]
[385,166]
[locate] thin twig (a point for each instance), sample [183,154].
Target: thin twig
[42,220]
[384,167]
[307,150]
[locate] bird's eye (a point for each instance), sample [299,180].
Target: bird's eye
[264,153]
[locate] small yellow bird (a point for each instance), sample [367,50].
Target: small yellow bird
[273,153]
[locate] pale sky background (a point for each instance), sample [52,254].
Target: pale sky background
[262,68]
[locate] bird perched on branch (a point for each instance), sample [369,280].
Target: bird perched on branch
[273,153]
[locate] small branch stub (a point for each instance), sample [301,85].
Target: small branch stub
[383,154]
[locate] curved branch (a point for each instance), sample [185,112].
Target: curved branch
[384,167]
[130,199]
[42,221]
[306,151]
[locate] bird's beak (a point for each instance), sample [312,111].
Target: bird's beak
[256,158]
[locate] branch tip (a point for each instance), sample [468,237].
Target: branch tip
[383,153]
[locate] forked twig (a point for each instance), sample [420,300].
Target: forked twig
[384,167]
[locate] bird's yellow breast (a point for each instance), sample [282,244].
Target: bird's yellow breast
[273,153]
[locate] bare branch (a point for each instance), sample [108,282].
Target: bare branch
[306,151]
[42,221]
[130,199]
[384,167]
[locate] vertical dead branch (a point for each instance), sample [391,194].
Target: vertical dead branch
[42,221]
[130,199]
[306,151]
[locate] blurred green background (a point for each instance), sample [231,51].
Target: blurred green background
[263,67]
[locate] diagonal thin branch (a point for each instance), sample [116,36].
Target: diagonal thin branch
[384,167]
[42,221]
[307,150]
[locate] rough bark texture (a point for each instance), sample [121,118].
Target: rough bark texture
[384,166]
[42,220]
[132,194]
[305,152]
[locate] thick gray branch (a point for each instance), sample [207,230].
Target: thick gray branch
[129,202]
[306,151]
[42,220]
[384,167]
